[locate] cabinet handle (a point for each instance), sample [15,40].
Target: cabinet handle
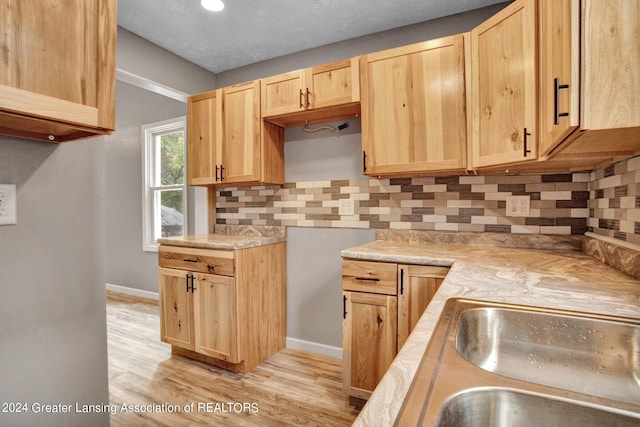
[525,142]
[188,275]
[364,161]
[193,286]
[190,260]
[556,101]
[216,173]
[301,99]
[221,175]
[308,96]
[402,281]
[344,306]
[368,279]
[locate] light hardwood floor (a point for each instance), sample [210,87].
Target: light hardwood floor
[291,388]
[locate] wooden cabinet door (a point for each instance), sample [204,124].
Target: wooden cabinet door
[559,90]
[333,84]
[369,340]
[215,314]
[204,121]
[418,285]
[413,108]
[611,66]
[284,93]
[503,70]
[241,154]
[57,67]
[176,309]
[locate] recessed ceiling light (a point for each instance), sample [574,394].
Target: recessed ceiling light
[212,5]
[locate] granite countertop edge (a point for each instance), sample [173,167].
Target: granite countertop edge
[565,279]
[221,241]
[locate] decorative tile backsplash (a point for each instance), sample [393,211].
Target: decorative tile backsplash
[559,203]
[614,202]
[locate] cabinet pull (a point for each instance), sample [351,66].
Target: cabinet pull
[301,99]
[525,142]
[190,260]
[188,282]
[216,173]
[193,286]
[402,281]
[364,161]
[308,96]
[221,175]
[368,279]
[344,306]
[556,101]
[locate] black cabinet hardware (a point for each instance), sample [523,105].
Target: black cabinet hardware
[556,101]
[525,142]
[190,260]
[216,173]
[368,279]
[308,96]
[401,281]
[344,306]
[364,161]
[301,99]
[221,175]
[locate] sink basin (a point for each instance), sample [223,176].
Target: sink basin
[582,354]
[498,407]
[497,364]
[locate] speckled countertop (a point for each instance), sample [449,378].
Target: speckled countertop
[221,241]
[564,279]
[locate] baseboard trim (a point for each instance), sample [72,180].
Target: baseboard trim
[133,291]
[314,347]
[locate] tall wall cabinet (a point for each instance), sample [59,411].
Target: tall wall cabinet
[57,84]
[382,303]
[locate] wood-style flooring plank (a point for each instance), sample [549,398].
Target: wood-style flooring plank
[292,388]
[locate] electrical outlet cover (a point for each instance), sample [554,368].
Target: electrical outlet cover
[518,205]
[8,211]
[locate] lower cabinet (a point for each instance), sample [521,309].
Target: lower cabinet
[236,319]
[382,303]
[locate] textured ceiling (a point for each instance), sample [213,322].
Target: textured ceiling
[249,31]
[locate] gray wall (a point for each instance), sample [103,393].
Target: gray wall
[52,311]
[126,264]
[313,255]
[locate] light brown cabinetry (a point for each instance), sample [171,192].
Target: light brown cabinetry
[228,141]
[204,137]
[224,307]
[602,72]
[503,87]
[312,95]
[382,303]
[413,109]
[57,84]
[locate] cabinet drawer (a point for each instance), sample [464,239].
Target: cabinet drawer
[366,276]
[197,260]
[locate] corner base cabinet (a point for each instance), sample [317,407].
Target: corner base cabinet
[382,303]
[223,307]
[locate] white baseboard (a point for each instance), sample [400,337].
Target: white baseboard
[314,347]
[133,291]
[295,343]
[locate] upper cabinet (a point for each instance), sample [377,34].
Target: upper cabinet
[413,109]
[228,143]
[595,61]
[504,98]
[312,95]
[57,84]
[204,137]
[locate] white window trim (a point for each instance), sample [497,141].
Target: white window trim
[148,131]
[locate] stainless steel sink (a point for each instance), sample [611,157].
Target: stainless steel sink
[497,407]
[496,364]
[586,355]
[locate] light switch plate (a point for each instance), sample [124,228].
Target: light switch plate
[518,205]
[8,211]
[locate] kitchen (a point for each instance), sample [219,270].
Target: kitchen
[54,310]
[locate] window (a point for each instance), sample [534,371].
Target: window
[165,189]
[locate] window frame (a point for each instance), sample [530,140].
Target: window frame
[150,156]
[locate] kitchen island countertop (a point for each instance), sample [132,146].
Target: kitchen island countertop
[221,241]
[563,279]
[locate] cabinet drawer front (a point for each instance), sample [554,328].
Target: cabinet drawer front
[365,276]
[197,260]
